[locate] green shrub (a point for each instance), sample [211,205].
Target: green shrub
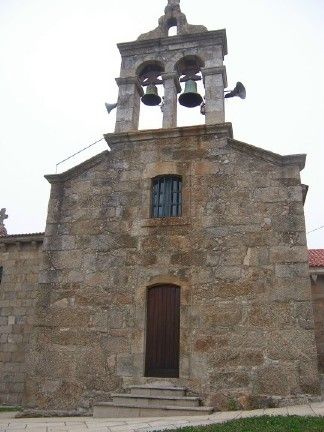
[10,408]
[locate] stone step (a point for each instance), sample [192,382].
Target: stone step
[157,390]
[111,410]
[154,401]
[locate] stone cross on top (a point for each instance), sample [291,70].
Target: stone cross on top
[3,216]
[172,17]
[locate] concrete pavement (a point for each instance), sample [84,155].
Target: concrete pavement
[88,424]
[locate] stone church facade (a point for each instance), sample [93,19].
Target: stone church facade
[179,256]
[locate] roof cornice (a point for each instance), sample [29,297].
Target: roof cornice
[22,238]
[275,158]
[215,37]
[221,130]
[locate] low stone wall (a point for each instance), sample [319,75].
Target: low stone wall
[19,259]
[318,306]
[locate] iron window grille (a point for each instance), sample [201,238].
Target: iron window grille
[166,196]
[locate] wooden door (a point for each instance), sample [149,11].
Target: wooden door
[162,331]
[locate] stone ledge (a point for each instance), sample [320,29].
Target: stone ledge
[23,238]
[109,409]
[43,413]
[166,407]
[165,221]
[157,387]
[140,396]
[130,80]
[220,129]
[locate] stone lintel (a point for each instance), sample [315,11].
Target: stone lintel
[218,70]
[222,130]
[130,80]
[172,75]
[216,37]
[78,169]
[294,159]
[22,238]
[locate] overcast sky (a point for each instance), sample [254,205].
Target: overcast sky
[59,61]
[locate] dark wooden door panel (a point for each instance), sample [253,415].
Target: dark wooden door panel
[162,331]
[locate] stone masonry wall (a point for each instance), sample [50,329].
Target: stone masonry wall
[238,253]
[318,305]
[20,262]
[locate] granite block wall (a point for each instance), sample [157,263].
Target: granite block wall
[318,306]
[19,258]
[238,252]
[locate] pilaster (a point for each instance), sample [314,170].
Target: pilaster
[171,89]
[128,106]
[215,81]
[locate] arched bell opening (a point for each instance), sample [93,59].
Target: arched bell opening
[192,95]
[149,75]
[189,61]
[172,26]
[148,66]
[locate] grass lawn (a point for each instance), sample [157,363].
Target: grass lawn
[264,424]
[9,408]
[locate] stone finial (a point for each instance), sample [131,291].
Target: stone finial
[172,17]
[3,216]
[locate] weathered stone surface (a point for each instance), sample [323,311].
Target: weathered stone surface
[245,313]
[20,259]
[238,252]
[277,379]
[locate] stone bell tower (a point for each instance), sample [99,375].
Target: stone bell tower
[158,60]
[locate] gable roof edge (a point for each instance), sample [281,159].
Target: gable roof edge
[282,160]
[22,238]
[76,170]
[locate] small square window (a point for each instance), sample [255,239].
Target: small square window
[166,196]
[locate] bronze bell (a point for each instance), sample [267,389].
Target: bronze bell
[190,98]
[151,97]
